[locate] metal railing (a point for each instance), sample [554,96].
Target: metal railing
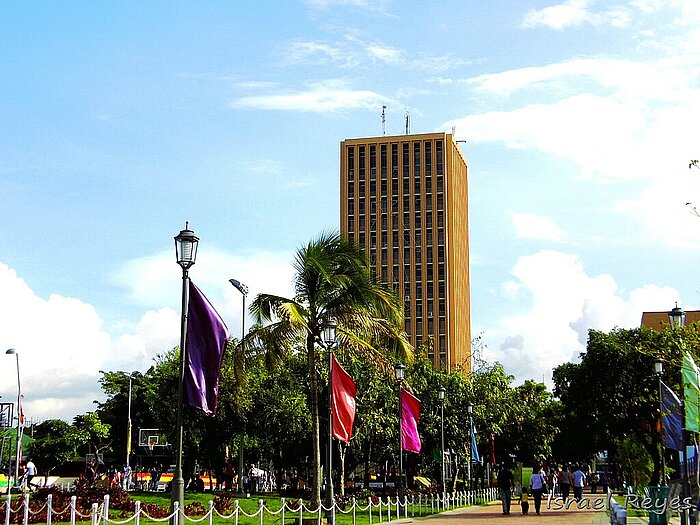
[380,509]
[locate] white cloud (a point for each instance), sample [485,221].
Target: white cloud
[325,96]
[60,341]
[621,122]
[532,226]
[565,302]
[559,16]
[389,55]
[149,280]
[577,12]
[63,343]
[320,51]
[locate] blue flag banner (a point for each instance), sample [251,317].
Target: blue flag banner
[672,412]
[206,342]
[475,450]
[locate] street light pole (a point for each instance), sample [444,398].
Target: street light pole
[470,409]
[12,351]
[186,254]
[329,336]
[238,285]
[399,377]
[441,394]
[676,318]
[130,376]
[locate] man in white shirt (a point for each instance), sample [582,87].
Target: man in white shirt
[579,482]
[31,472]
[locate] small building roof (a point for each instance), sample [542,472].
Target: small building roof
[659,320]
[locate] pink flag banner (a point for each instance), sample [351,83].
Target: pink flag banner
[343,405]
[410,414]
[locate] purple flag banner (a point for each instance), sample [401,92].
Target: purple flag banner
[206,342]
[410,414]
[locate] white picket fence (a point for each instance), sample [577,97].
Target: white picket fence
[386,509]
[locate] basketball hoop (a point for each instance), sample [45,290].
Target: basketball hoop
[151,444]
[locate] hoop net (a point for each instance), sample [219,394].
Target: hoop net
[151,444]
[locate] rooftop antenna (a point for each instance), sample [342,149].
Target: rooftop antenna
[408,123]
[453,130]
[383,120]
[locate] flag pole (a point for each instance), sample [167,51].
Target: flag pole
[399,377]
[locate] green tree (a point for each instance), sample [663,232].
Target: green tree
[613,392]
[55,442]
[332,282]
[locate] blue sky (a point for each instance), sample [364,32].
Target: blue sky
[122,120]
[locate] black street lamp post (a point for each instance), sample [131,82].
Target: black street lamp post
[329,337]
[676,318]
[186,254]
[659,370]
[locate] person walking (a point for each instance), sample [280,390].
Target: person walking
[30,473]
[538,485]
[566,481]
[126,476]
[506,484]
[579,481]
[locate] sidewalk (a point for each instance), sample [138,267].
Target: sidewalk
[587,513]
[557,513]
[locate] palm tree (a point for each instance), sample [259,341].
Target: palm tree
[332,281]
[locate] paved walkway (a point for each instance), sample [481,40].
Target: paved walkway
[587,513]
[556,514]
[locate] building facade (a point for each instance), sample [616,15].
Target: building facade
[404,198]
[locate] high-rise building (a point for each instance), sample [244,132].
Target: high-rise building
[404,198]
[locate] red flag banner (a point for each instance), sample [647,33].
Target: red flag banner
[410,414]
[343,403]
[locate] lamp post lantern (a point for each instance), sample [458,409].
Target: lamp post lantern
[329,336]
[185,254]
[676,317]
[238,285]
[12,351]
[441,395]
[399,369]
[659,370]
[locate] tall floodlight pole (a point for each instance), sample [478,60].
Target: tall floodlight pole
[399,378]
[329,335]
[238,285]
[12,351]
[441,394]
[186,254]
